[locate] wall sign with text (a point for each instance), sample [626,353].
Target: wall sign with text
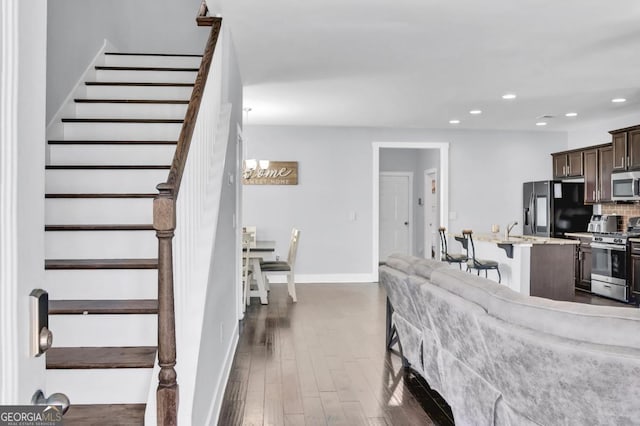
[270,172]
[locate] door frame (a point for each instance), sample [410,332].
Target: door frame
[237,221]
[428,172]
[409,200]
[443,200]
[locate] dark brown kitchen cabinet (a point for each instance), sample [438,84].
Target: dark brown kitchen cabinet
[583,276]
[567,164]
[598,165]
[635,270]
[626,148]
[582,263]
[591,176]
[605,167]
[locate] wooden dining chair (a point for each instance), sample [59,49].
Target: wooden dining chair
[246,267]
[284,267]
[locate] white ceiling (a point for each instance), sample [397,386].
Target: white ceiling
[421,63]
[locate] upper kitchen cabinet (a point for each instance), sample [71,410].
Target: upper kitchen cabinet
[567,164]
[605,167]
[626,148]
[598,165]
[591,176]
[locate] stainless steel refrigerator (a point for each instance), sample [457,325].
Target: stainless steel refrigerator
[551,208]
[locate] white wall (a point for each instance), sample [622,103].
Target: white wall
[77,29]
[487,169]
[22,110]
[596,132]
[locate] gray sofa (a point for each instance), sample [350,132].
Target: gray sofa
[501,358]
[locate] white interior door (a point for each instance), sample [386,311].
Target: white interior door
[431,220]
[395,213]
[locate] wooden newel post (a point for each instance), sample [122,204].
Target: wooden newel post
[164,222]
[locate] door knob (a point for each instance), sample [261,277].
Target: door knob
[60,399]
[406,223]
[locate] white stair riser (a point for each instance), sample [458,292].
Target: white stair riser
[101,386]
[103,181]
[100,244]
[121,131]
[130,110]
[68,211]
[101,284]
[140,155]
[146,76]
[152,61]
[103,330]
[138,92]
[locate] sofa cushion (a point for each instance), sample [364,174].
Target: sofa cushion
[410,341]
[455,325]
[471,287]
[402,265]
[604,325]
[395,286]
[471,397]
[553,380]
[425,267]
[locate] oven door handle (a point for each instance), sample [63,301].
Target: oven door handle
[609,246]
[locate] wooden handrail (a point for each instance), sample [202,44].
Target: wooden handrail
[184,141]
[164,223]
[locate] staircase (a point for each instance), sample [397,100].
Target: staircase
[100,247]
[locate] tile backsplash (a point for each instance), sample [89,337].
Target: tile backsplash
[625,210]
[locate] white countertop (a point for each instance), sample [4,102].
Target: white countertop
[521,240]
[579,234]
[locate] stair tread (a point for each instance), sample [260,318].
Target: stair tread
[101,264]
[108,167]
[140,83]
[189,55]
[97,307]
[101,357]
[101,195]
[123,120]
[100,227]
[105,415]
[130,101]
[110,142]
[129,68]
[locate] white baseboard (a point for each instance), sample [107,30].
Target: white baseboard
[325,278]
[216,404]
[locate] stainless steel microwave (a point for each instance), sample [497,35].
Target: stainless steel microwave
[625,186]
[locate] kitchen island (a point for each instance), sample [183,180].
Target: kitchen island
[532,266]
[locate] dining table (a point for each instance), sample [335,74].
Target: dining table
[257,251]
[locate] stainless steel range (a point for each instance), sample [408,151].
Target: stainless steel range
[610,255]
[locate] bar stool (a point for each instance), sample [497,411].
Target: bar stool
[479,264]
[452,258]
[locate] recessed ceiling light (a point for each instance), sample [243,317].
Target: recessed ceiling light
[571,114]
[541,123]
[454,121]
[509,96]
[475,111]
[618,100]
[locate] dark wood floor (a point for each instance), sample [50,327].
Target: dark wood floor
[593,299]
[323,361]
